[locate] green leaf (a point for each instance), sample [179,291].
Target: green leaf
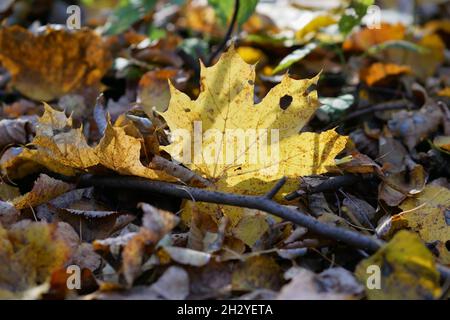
[224,10]
[294,56]
[128,12]
[353,16]
[156,33]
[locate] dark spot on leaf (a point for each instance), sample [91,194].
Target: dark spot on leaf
[187,110]
[250,82]
[285,101]
[447,245]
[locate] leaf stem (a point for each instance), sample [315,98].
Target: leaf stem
[224,42]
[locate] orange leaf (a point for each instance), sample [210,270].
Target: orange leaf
[380,72]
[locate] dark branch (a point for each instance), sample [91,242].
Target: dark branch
[331,184]
[349,237]
[262,203]
[227,37]
[276,188]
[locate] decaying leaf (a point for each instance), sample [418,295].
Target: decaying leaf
[44,189]
[268,144]
[414,126]
[49,65]
[426,213]
[258,272]
[406,267]
[332,284]
[16,131]
[29,253]
[156,224]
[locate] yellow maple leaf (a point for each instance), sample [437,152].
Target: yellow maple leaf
[426,214]
[63,149]
[242,147]
[406,269]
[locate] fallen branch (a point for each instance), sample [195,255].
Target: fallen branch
[263,203]
[330,184]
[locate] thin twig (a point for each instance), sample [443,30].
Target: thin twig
[224,42]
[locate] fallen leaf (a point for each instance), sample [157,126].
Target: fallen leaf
[45,189]
[256,273]
[332,284]
[225,106]
[307,32]
[407,270]
[378,72]
[187,256]
[154,89]
[414,126]
[366,38]
[29,253]
[156,224]
[48,65]
[425,213]
[16,131]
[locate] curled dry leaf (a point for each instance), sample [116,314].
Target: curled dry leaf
[186,256]
[225,107]
[48,65]
[17,131]
[406,267]
[156,224]
[88,217]
[44,190]
[62,148]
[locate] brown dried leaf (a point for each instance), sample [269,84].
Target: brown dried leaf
[48,65]
[44,189]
